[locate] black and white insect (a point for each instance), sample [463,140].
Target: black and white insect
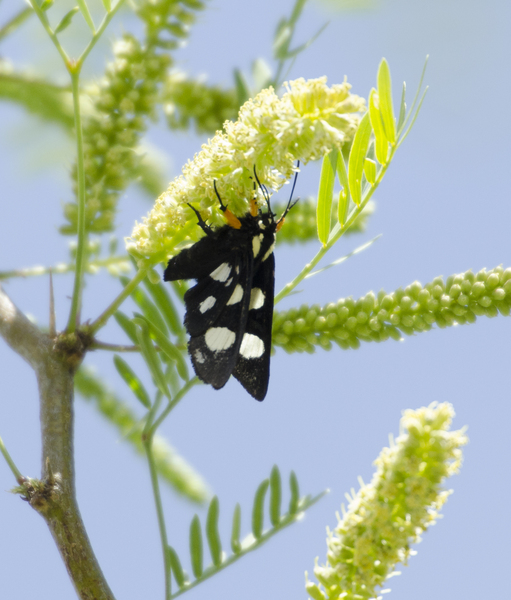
[229,311]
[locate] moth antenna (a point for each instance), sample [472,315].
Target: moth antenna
[202,224]
[264,190]
[222,205]
[290,203]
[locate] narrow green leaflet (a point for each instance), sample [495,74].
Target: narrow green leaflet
[147,307]
[66,20]
[150,356]
[176,568]
[402,109]
[236,528]
[127,326]
[196,550]
[165,305]
[370,170]
[357,158]
[212,534]
[382,143]
[344,194]
[325,195]
[386,105]
[84,9]
[132,380]
[275,495]
[169,349]
[297,506]
[295,493]
[258,509]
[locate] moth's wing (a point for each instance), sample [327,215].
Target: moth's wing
[213,292]
[252,368]
[214,352]
[198,260]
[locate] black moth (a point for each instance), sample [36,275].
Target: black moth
[229,311]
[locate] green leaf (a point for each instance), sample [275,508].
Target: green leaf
[215,544]
[127,326]
[412,107]
[370,170]
[165,305]
[84,9]
[242,87]
[386,105]
[17,20]
[325,195]
[66,20]
[344,194]
[147,307]
[150,356]
[46,5]
[258,509]
[295,493]
[236,527]
[47,101]
[357,158]
[131,379]
[402,110]
[382,143]
[107,4]
[275,495]
[169,349]
[196,546]
[175,566]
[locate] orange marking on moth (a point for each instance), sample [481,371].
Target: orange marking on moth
[254,209]
[232,219]
[280,223]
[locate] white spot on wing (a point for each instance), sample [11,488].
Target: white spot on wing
[219,338]
[222,272]
[237,295]
[256,245]
[251,346]
[207,304]
[199,357]
[228,282]
[256,299]
[270,251]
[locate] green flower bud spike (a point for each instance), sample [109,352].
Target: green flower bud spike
[389,514]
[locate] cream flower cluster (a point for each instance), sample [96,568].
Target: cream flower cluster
[270,135]
[386,516]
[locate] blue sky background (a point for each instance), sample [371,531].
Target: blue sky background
[442,209]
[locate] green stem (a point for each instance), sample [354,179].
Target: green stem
[171,405]
[148,444]
[44,21]
[82,234]
[334,238]
[106,20]
[103,318]
[15,471]
[63,267]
